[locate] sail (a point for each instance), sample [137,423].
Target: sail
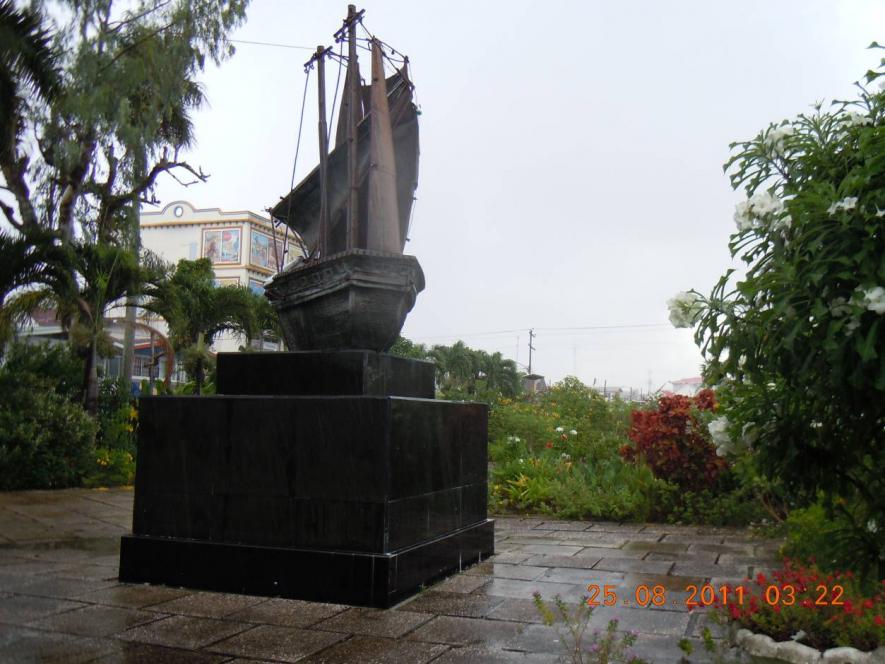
[383,233]
[300,209]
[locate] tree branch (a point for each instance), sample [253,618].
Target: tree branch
[117,25]
[123,51]
[14,174]
[162,166]
[9,213]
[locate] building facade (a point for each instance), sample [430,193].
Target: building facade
[245,248]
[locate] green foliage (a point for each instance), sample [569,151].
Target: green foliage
[465,374]
[51,366]
[46,439]
[117,416]
[796,344]
[824,535]
[113,467]
[196,311]
[558,454]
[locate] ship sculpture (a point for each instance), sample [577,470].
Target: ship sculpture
[354,287]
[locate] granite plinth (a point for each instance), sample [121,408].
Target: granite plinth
[349,372]
[365,579]
[360,498]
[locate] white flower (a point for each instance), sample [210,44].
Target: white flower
[719,433]
[763,203]
[685,308]
[559,429]
[573,432]
[565,456]
[762,206]
[872,526]
[851,326]
[774,140]
[855,119]
[743,218]
[880,213]
[874,299]
[516,439]
[521,461]
[847,203]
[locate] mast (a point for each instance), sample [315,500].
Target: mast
[383,233]
[354,115]
[320,57]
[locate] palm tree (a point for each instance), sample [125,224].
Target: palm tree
[196,311]
[107,273]
[33,266]
[27,61]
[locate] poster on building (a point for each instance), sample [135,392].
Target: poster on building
[222,245]
[221,282]
[264,252]
[256,286]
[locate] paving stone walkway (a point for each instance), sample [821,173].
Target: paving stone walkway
[60,600]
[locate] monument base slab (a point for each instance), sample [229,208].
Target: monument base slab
[339,577]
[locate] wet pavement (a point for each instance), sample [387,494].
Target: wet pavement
[60,600]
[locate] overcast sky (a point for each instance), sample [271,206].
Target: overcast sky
[571,154]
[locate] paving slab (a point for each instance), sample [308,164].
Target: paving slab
[274,643]
[187,632]
[369,650]
[60,600]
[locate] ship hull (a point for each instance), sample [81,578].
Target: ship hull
[355,299]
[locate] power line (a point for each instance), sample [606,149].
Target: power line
[259,43]
[551,329]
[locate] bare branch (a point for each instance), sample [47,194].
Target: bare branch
[118,25]
[146,184]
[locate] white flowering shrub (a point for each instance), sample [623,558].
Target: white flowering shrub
[797,345]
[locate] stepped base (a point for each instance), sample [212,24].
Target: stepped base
[340,577]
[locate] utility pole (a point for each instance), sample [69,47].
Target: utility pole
[531,348]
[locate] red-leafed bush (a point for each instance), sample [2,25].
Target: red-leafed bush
[674,442]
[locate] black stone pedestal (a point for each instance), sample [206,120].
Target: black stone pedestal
[361,495]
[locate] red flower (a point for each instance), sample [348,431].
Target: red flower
[549,443]
[760,579]
[878,621]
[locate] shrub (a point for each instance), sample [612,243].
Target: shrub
[803,603]
[46,440]
[825,535]
[796,344]
[117,416]
[112,468]
[674,442]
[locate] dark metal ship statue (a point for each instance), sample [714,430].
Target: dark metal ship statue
[355,287]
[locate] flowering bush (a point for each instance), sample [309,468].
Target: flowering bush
[795,346]
[674,443]
[804,604]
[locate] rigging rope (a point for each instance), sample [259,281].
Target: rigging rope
[335,96]
[297,150]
